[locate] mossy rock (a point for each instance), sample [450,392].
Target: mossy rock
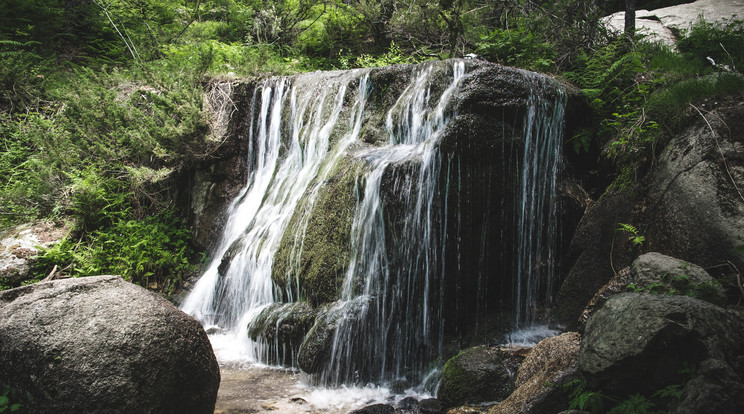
[315,250]
[316,350]
[476,375]
[282,327]
[661,274]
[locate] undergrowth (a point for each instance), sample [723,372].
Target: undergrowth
[583,398]
[640,92]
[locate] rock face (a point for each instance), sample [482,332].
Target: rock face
[476,375]
[540,379]
[638,342]
[688,206]
[660,24]
[716,389]
[101,344]
[19,245]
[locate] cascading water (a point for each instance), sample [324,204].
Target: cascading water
[537,216]
[231,293]
[410,247]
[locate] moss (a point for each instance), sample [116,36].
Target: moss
[315,250]
[476,375]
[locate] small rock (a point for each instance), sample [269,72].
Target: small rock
[298,400]
[476,375]
[431,406]
[540,379]
[375,409]
[399,386]
[408,404]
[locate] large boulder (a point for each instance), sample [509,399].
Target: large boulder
[688,206]
[658,273]
[476,375]
[551,364]
[638,342]
[660,25]
[101,344]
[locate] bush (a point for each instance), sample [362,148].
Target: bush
[518,47]
[723,42]
[154,252]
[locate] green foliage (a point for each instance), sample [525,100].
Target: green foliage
[633,235]
[518,47]
[6,405]
[153,252]
[672,102]
[584,399]
[393,56]
[580,398]
[634,404]
[723,42]
[613,81]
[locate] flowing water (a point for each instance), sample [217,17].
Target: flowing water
[390,318]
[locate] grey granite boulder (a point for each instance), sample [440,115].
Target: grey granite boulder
[100,344]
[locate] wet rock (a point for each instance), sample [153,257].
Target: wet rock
[408,405]
[399,386]
[541,377]
[637,343]
[375,409]
[431,406]
[657,273]
[101,344]
[315,250]
[282,327]
[316,349]
[476,375]
[210,184]
[715,390]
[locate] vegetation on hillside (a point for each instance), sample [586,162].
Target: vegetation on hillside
[101,103]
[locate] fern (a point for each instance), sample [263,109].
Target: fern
[634,404]
[634,236]
[15,48]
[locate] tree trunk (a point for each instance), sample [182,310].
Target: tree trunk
[630,9]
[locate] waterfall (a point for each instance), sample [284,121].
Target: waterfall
[408,244]
[537,222]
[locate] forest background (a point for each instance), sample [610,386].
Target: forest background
[102,101]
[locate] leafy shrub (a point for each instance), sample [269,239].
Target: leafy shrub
[672,102]
[723,42]
[393,56]
[6,404]
[154,252]
[518,47]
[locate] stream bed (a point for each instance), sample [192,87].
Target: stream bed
[248,387]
